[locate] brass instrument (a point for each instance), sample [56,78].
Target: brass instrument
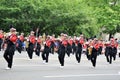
[89,50]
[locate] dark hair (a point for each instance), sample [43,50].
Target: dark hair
[11,26]
[116,39]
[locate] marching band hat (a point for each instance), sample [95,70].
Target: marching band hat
[12,29]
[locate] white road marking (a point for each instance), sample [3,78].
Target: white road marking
[57,64]
[82,75]
[39,65]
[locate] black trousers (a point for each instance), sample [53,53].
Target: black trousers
[61,55]
[37,51]
[107,53]
[69,50]
[87,55]
[30,50]
[1,41]
[78,52]
[19,48]
[8,55]
[100,51]
[78,55]
[94,57]
[52,47]
[110,54]
[45,54]
[73,48]
[114,52]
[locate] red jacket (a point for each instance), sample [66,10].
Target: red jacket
[101,44]
[76,41]
[81,41]
[39,41]
[13,38]
[96,46]
[53,39]
[107,45]
[112,44]
[70,42]
[48,43]
[21,38]
[116,44]
[1,36]
[32,39]
[65,42]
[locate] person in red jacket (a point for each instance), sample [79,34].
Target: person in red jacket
[75,42]
[81,40]
[11,44]
[100,42]
[52,44]
[114,45]
[69,46]
[94,52]
[38,46]
[22,37]
[113,50]
[62,50]
[31,45]
[46,50]
[107,51]
[79,48]
[1,38]
[20,41]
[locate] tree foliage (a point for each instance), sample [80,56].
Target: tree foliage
[55,16]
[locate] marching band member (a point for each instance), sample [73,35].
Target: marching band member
[62,49]
[100,42]
[115,49]
[11,44]
[94,52]
[88,50]
[1,38]
[107,51]
[74,45]
[38,46]
[52,44]
[69,46]
[20,42]
[31,45]
[46,50]
[112,50]
[79,49]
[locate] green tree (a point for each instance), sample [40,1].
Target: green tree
[55,16]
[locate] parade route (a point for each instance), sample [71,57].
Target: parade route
[25,69]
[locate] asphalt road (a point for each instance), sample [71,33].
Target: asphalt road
[24,69]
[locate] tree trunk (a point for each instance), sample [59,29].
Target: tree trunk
[110,35]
